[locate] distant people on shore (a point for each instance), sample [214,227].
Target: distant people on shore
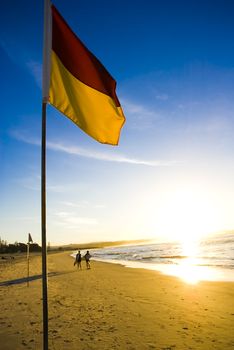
[78,260]
[87,259]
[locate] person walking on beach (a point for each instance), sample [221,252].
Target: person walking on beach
[78,260]
[87,259]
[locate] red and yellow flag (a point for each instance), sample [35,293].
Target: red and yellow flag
[79,86]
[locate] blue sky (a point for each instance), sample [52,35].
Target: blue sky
[172,174]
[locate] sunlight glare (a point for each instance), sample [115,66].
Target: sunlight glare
[187,215]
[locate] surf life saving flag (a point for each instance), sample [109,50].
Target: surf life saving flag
[77,84]
[30,238]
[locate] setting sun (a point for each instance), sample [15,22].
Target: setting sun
[187,215]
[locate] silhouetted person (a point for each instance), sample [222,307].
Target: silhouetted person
[87,259]
[78,260]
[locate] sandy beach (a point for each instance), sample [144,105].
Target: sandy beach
[112,307]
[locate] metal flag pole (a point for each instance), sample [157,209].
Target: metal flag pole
[43,228]
[45,92]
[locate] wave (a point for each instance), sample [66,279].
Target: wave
[211,252]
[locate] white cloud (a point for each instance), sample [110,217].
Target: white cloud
[100,206]
[34,183]
[10,48]
[72,220]
[82,204]
[35,69]
[56,188]
[30,182]
[104,156]
[139,116]
[22,59]
[162,97]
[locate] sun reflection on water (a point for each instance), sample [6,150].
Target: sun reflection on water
[190,268]
[187,269]
[191,273]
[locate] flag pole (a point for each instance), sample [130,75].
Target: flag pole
[28,263]
[45,92]
[43,228]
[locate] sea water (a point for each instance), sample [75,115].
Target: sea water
[210,259]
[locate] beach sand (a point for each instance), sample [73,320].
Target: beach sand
[112,307]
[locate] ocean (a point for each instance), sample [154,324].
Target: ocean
[210,259]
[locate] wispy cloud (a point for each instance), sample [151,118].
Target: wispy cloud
[33,183]
[139,116]
[104,156]
[78,151]
[23,60]
[162,97]
[35,68]
[30,182]
[10,48]
[57,188]
[70,219]
[83,204]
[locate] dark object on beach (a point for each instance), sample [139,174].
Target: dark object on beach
[87,259]
[78,260]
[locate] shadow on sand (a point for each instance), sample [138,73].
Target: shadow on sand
[31,278]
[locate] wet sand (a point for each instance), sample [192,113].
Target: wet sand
[112,307]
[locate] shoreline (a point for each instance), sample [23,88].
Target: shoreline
[202,273]
[112,307]
[187,273]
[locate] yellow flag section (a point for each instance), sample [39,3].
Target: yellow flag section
[80,86]
[94,112]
